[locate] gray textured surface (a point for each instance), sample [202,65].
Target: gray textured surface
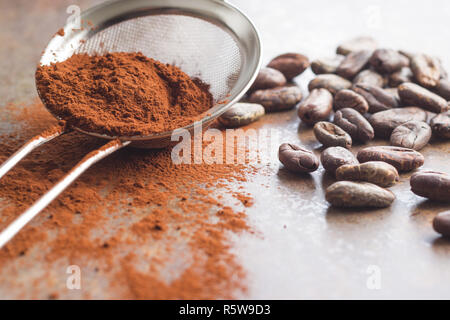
[302,249]
[310,250]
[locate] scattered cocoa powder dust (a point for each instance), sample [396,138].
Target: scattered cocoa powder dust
[138,226]
[122,94]
[60,32]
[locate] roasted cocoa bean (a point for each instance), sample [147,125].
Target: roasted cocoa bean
[326,65]
[331,82]
[386,121]
[353,63]
[394,93]
[241,114]
[376,172]
[352,122]
[431,185]
[430,116]
[403,159]
[348,194]
[370,77]
[290,64]
[441,223]
[388,61]
[412,94]
[377,98]
[443,89]
[331,135]
[297,159]
[413,134]
[277,99]
[401,76]
[334,157]
[316,107]
[350,99]
[268,78]
[357,44]
[444,74]
[440,125]
[426,70]
[407,54]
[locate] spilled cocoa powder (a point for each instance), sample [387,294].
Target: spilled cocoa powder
[61,32]
[122,94]
[138,226]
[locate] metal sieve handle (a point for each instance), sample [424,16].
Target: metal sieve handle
[32,144]
[54,192]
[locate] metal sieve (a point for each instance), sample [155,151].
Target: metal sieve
[208,39]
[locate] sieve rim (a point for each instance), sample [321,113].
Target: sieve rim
[170,7]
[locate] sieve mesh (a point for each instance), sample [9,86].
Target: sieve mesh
[200,48]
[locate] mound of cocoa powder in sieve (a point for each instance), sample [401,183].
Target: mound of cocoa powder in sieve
[122,94]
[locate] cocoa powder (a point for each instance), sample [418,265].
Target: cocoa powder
[137,225]
[122,94]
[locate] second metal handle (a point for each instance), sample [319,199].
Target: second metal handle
[32,144]
[40,204]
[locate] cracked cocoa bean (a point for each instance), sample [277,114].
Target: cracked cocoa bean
[352,122]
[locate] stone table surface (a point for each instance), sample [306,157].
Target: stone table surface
[305,249]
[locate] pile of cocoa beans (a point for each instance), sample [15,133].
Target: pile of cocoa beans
[363,92]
